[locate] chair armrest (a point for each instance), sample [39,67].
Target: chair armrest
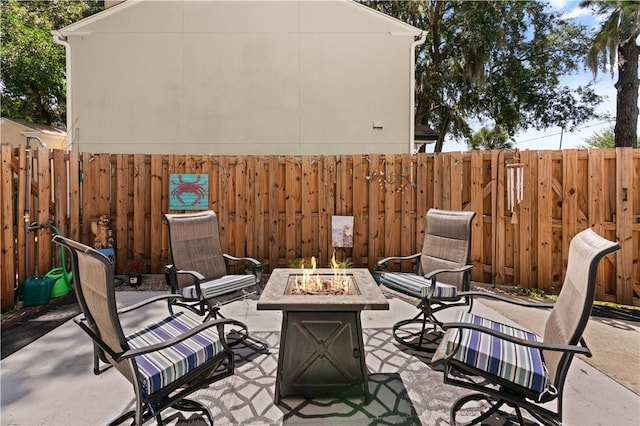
[173,270]
[148,301]
[386,260]
[530,343]
[435,272]
[251,260]
[254,263]
[508,299]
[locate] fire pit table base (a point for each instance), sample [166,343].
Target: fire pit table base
[321,348]
[321,355]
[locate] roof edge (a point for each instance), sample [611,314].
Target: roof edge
[410,28]
[77,26]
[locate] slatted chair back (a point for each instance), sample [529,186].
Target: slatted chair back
[570,314]
[447,245]
[195,245]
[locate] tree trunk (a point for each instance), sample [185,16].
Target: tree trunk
[626,129]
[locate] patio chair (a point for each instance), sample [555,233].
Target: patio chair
[442,271]
[165,361]
[200,270]
[512,367]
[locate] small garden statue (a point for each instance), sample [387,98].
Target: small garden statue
[101,229]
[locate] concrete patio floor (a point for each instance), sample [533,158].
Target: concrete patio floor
[50,382]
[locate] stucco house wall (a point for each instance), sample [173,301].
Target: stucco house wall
[240,77]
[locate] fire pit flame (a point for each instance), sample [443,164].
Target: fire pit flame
[311,283]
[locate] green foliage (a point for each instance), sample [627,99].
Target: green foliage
[531,292]
[495,61]
[33,78]
[344,264]
[377,268]
[296,263]
[490,139]
[605,139]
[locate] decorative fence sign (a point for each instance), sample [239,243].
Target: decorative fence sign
[188,191]
[342,231]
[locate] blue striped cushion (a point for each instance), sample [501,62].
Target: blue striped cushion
[158,369]
[515,363]
[417,285]
[219,286]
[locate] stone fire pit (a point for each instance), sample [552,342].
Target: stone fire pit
[321,347]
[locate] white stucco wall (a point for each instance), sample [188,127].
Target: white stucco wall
[240,77]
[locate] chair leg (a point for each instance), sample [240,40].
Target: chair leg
[190,405]
[122,418]
[494,407]
[234,336]
[416,339]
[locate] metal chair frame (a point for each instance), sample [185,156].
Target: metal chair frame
[404,331]
[198,269]
[562,340]
[93,274]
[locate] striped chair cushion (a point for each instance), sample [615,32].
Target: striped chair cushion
[160,368]
[417,285]
[218,287]
[515,363]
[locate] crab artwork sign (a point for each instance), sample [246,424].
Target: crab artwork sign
[188,192]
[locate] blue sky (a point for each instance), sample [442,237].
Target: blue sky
[604,85]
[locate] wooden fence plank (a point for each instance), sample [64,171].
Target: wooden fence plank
[331,182]
[477,199]
[43,212]
[569,202]
[456,167]
[224,212]
[391,237]
[291,205]
[7,259]
[139,201]
[23,193]
[360,207]
[74,195]
[374,184]
[240,192]
[251,212]
[422,190]
[407,218]
[525,220]
[596,219]
[60,191]
[324,230]
[274,188]
[156,226]
[544,220]
[307,201]
[624,218]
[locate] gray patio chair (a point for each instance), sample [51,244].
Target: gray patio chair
[512,367]
[166,360]
[442,271]
[200,270]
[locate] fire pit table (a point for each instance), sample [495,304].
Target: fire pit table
[321,346]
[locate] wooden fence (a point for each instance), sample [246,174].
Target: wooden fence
[277,208]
